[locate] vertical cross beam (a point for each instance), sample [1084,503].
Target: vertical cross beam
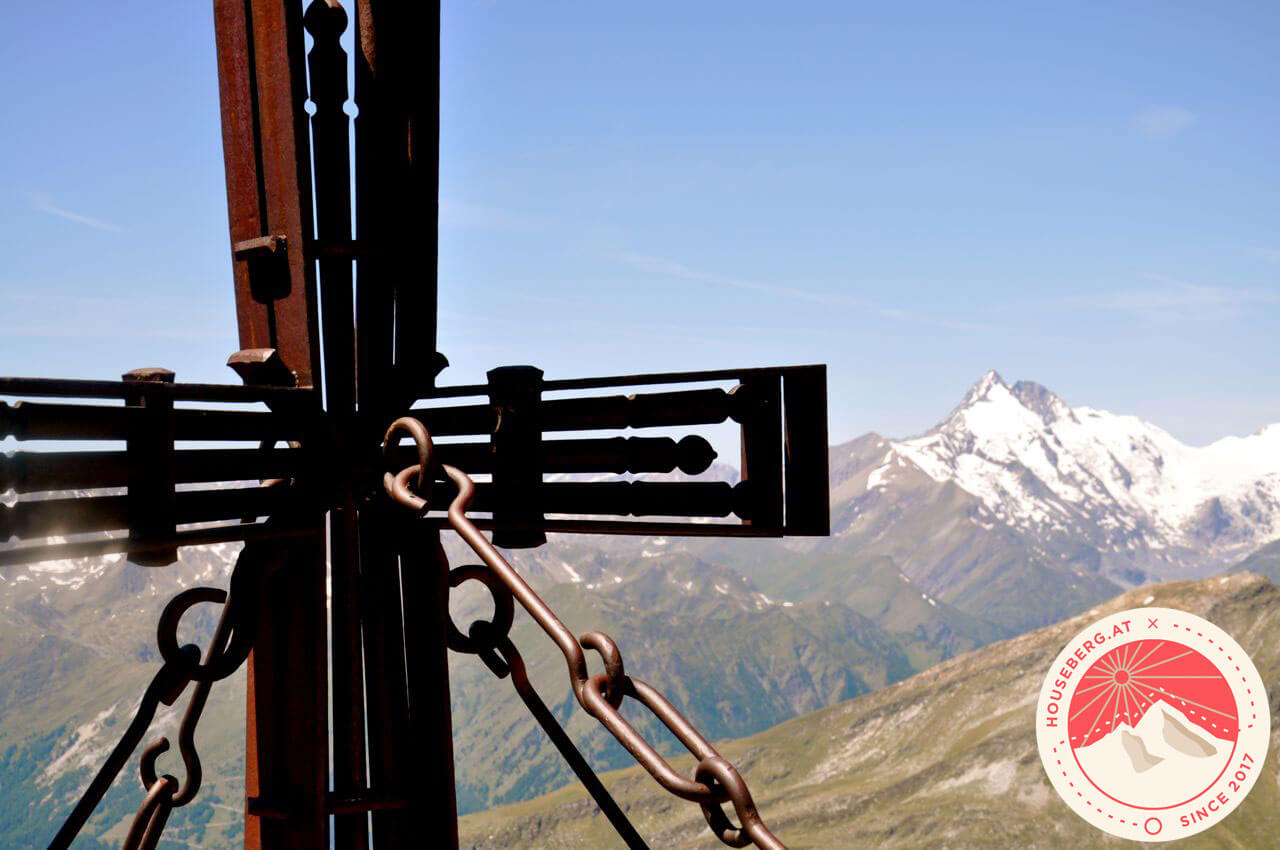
[397,91]
[286,730]
[326,20]
[268,167]
[389,594]
[397,78]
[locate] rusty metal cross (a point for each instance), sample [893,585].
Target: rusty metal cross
[338,341]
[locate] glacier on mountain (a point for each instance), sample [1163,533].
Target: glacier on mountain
[1127,486]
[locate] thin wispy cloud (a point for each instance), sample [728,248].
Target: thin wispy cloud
[671,268]
[41,202]
[1163,122]
[1171,298]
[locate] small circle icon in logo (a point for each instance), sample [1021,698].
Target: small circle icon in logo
[1152,724]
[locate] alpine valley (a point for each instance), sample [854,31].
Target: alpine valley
[1015,512]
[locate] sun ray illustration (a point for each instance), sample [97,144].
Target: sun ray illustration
[1116,712]
[1148,655]
[1091,702]
[1093,726]
[1109,681]
[1128,715]
[1126,655]
[1172,695]
[1126,683]
[1154,664]
[1138,698]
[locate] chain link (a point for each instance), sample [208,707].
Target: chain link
[715,781]
[228,649]
[489,640]
[148,824]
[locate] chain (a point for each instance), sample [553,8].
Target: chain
[715,781]
[490,640]
[153,814]
[228,649]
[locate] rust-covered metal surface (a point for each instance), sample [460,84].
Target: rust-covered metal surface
[262,84]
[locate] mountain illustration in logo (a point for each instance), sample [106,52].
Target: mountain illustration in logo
[1153,724]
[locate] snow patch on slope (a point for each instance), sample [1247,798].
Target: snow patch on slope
[85,751]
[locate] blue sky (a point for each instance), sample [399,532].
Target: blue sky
[912,193]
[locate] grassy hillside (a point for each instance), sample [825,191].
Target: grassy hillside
[945,759]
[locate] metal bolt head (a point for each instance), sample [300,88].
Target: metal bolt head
[149,374]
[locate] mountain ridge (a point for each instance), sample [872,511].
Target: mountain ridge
[1017,494]
[1041,465]
[945,758]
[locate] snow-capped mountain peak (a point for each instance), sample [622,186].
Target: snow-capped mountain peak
[1039,399]
[1129,487]
[988,383]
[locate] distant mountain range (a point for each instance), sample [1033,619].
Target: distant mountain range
[1143,499]
[1020,509]
[1015,512]
[946,758]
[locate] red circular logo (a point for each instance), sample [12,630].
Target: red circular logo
[1152,724]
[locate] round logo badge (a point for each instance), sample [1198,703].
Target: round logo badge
[1153,724]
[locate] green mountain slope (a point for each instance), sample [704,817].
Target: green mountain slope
[730,657]
[946,758]
[928,629]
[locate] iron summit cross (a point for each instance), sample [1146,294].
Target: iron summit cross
[338,342]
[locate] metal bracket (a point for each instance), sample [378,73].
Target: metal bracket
[262,367]
[151,502]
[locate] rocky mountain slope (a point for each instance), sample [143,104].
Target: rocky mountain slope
[1126,486]
[1143,501]
[945,759]
[1265,561]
